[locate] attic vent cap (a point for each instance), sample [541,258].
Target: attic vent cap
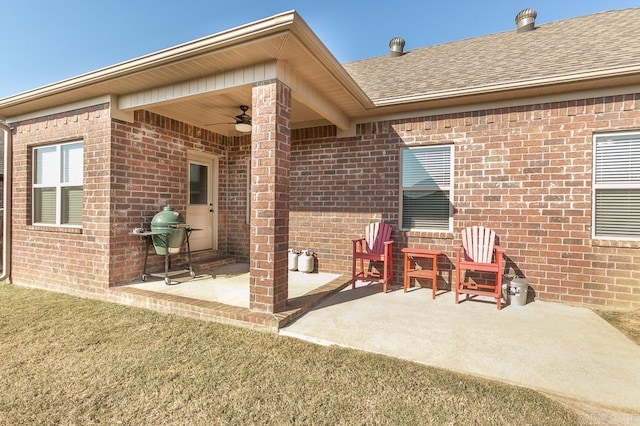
[396,46]
[526,20]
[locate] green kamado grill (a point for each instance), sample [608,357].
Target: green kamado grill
[168,235]
[171,234]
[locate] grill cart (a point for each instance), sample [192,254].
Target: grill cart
[168,235]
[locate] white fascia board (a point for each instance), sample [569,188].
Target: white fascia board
[107,99]
[530,100]
[501,87]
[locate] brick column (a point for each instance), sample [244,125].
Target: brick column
[270,152]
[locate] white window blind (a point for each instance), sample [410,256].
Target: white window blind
[426,188]
[58,184]
[44,205]
[617,186]
[72,205]
[427,167]
[72,163]
[46,166]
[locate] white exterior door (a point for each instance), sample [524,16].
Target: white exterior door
[202,206]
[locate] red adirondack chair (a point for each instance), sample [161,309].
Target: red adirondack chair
[376,247]
[478,252]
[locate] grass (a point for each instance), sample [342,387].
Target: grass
[628,322]
[72,361]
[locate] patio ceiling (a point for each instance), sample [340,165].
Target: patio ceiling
[204,82]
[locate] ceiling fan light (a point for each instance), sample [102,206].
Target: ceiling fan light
[243,127]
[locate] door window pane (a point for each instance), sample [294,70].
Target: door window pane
[198,190]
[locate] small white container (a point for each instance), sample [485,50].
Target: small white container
[306,261]
[293,259]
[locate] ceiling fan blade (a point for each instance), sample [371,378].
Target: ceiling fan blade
[218,124]
[243,118]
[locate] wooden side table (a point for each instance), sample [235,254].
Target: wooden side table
[413,254]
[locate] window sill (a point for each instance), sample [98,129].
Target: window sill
[424,233]
[53,228]
[616,243]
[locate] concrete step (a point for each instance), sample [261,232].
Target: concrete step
[202,261]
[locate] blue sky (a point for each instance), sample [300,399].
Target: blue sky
[45,41]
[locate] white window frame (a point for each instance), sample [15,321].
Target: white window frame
[438,186]
[624,174]
[57,181]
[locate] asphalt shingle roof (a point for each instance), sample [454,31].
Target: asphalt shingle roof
[592,43]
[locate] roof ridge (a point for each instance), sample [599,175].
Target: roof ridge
[510,31]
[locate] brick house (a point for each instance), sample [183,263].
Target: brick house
[533,132]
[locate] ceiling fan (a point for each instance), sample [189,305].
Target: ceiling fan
[243,121]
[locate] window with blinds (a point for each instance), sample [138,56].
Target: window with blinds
[427,176]
[616,186]
[57,184]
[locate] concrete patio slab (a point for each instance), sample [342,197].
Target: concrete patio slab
[227,284]
[561,350]
[221,294]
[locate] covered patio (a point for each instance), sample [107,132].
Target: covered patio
[283,79]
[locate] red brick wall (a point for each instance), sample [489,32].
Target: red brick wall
[270,164]
[63,257]
[150,171]
[237,229]
[524,171]
[338,186]
[131,171]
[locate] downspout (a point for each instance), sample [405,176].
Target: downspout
[6,204]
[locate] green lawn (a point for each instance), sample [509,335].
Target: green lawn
[66,360]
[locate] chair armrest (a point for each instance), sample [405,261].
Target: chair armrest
[359,239]
[499,258]
[388,247]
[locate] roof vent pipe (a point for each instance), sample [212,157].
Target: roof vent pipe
[526,20]
[396,46]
